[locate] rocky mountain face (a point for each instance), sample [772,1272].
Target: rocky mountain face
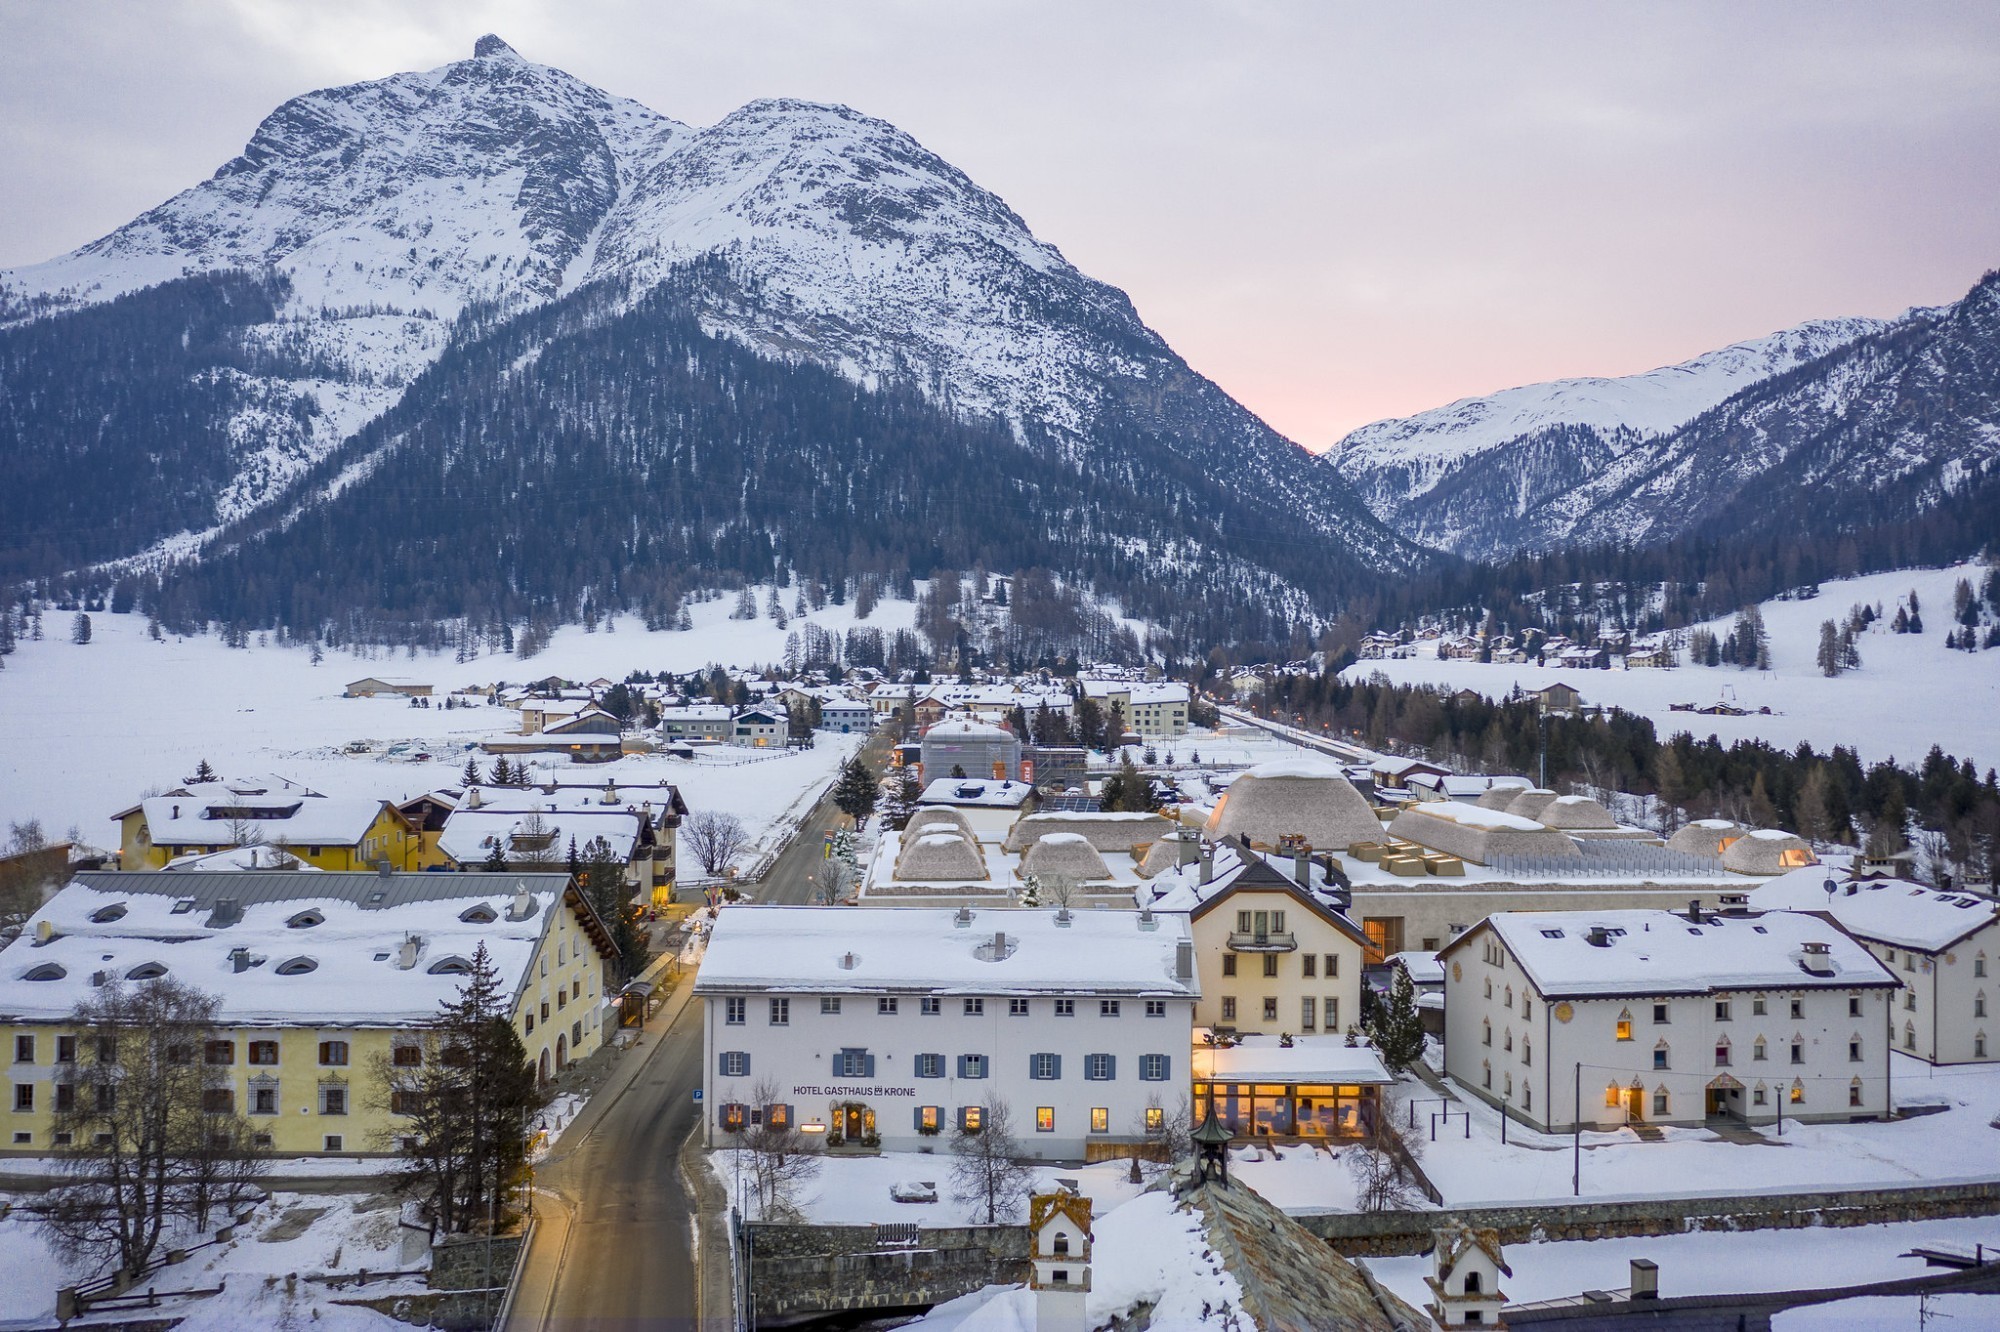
[391,221]
[1489,477]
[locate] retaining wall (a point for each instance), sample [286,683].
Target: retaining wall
[800,1271]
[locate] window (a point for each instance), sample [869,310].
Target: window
[1156,1119]
[1798,1009]
[885,1005]
[1153,1067]
[1485,1031]
[1309,965]
[333,1142]
[1798,1052]
[1332,964]
[1854,1005]
[1660,1055]
[1659,1014]
[1978,1010]
[219,1052]
[733,1011]
[1100,1119]
[735,1064]
[1270,1008]
[1527,1007]
[778,1116]
[1229,964]
[263,1100]
[24,1049]
[930,1006]
[1909,1001]
[781,1012]
[107,1098]
[1270,964]
[1045,1119]
[853,1063]
[1044,1067]
[65,1097]
[333,1054]
[1307,1013]
[1100,1067]
[1798,1094]
[1156,1008]
[1228,1008]
[263,1052]
[1979,966]
[929,1118]
[1854,1050]
[24,1096]
[1758,1097]
[930,1065]
[1017,1008]
[1625,1025]
[1660,1101]
[829,1004]
[1757,1051]
[972,1066]
[407,1055]
[299,966]
[1722,1010]
[1854,1093]
[333,1100]
[402,1102]
[1756,1008]
[1065,1008]
[1329,1011]
[975,1007]
[1527,1051]
[1979,1046]
[1107,1008]
[971,1118]
[732,1116]
[66,1047]
[1722,1054]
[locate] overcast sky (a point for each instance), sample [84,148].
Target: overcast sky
[1339,212]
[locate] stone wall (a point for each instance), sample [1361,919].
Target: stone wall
[1386,1234]
[799,1271]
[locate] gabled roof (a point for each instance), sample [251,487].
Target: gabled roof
[1253,872]
[1889,911]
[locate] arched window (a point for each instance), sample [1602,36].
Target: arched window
[478,914]
[297,966]
[48,971]
[104,915]
[1909,1036]
[305,920]
[451,966]
[147,971]
[1979,1004]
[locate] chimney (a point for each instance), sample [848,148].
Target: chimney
[523,905]
[610,796]
[1302,866]
[45,930]
[100,978]
[239,960]
[473,800]
[1185,851]
[963,920]
[406,956]
[999,945]
[382,869]
[1598,937]
[1694,912]
[1816,959]
[1735,904]
[1184,960]
[1207,861]
[177,811]
[1147,920]
[1645,1279]
[848,961]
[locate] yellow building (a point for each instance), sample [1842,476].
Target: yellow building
[330,833]
[320,977]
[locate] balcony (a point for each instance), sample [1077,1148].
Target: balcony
[1275,941]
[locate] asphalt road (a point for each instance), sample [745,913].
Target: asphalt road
[616,1249]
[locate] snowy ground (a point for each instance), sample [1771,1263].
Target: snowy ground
[1909,694]
[263,1270]
[85,731]
[1719,1262]
[1959,1143]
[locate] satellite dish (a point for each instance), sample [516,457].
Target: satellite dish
[1831,887]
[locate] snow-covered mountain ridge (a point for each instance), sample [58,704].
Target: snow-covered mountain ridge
[496,184]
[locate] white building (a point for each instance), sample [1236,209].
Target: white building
[1153,710]
[1943,945]
[1664,1017]
[907,1024]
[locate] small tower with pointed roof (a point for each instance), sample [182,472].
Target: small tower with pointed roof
[1466,1267]
[1059,1227]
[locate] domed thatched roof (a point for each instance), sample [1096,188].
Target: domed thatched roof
[1478,835]
[1704,837]
[1165,854]
[1106,832]
[1576,812]
[1530,803]
[1768,851]
[948,819]
[1064,853]
[939,854]
[1312,799]
[1499,797]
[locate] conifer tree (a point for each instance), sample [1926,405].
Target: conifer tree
[1398,1029]
[471,774]
[857,792]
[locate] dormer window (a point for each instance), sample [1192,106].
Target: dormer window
[297,966]
[305,920]
[451,966]
[147,971]
[48,971]
[104,915]
[478,915]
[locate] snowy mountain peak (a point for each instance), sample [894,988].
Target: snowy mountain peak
[490,45]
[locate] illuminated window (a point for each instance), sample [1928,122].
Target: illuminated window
[971,1118]
[1100,1119]
[1625,1026]
[1156,1119]
[1045,1119]
[1798,1095]
[928,1117]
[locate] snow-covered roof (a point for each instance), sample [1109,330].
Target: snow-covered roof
[915,949]
[241,858]
[205,815]
[967,730]
[1663,952]
[1457,785]
[702,712]
[1473,816]
[470,835]
[322,949]
[983,791]
[1307,1059]
[1303,796]
[1890,911]
[1423,966]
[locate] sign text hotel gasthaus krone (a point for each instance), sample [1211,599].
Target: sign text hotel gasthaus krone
[907,1024]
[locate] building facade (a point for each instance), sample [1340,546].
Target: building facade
[903,1026]
[327,832]
[1659,1017]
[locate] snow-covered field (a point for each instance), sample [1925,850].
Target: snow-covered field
[85,731]
[1909,694]
[263,1270]
[1719,1262]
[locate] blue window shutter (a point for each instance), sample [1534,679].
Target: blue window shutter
[916,1116]
[1166,1067]
[1035,1066]
[1058,1069]
[1110,1067]
[868,1066]
[961,1066]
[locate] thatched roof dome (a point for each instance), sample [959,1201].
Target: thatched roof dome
[1303,796]
[1576,812]
[1704,837]
[939,854]
[1530,803]
[1064,853]
[948,819]
[1106,832]
[1499,797]
[1768,851]
[1165,854]
[1479,835]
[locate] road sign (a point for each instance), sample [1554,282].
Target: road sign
[697,1093]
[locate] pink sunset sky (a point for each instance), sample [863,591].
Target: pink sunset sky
[1338,212]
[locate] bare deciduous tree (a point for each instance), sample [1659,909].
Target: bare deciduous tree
[987,1171]
[1172,1139]
[778,1158]
[1382,1179]
[715,838]
[535,841]
[148,1128]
